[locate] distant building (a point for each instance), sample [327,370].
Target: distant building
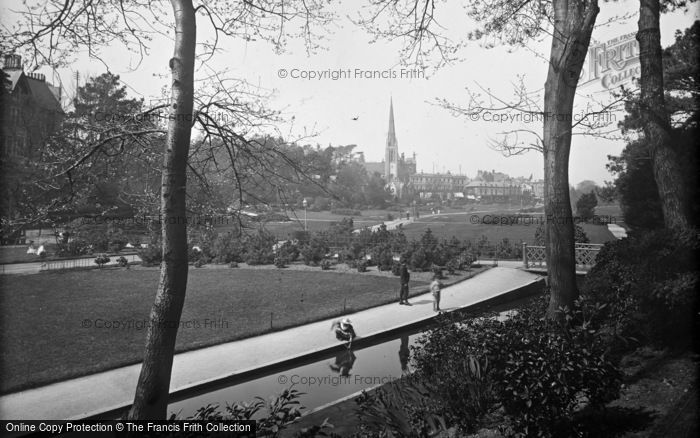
[502,191]
[31,112]
[444,185]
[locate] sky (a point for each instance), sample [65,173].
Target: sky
[321,110]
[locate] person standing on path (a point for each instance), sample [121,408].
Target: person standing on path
[435,288]
[405,277]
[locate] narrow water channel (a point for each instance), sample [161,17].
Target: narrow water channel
[326,379]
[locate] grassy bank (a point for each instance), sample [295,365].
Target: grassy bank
[55,326]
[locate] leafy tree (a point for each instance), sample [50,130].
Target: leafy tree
[639,196]
[655,116]
[608,193]
[376,193]
[636,184]
[53,33]
[585,206]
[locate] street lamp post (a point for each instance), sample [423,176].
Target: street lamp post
[305,204]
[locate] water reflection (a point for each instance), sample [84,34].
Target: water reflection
[336,376]
[404,355]
[343,363]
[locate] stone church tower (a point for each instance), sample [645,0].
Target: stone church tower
[391,154]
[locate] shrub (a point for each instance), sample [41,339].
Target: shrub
[505,249]
[117,240]
[544,371]
[98,239]
[226,248]
[396,268]
[199,263]
[281,261]
[539,371]
[122,262]
[259,257]
[419,260]
[326,264]
[401,409]
[457,375]
[289,251]
[648,284]
[313,252]
[345,255]
[361,265]
[233,265]
[389,217]
[74,247]
[193,255]
[259,248]
[151,255]
[452,266]
[383,257]
[272,415]
[437,271]
[101,260]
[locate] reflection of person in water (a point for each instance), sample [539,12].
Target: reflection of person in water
[344,331]
[343,363]
[404,354]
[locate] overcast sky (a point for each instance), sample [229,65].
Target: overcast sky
[441,141]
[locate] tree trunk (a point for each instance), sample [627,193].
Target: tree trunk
[151,399]
[656,122]
[573,24]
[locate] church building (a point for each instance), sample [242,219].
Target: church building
[397,168]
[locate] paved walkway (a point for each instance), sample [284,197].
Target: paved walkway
[82,262]
[81,397]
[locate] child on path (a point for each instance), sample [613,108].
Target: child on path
[435,288]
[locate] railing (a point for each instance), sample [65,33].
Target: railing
[534,256]
[82,263]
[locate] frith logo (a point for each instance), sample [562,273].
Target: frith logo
[612,63]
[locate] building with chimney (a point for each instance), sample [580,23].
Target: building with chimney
[31,112]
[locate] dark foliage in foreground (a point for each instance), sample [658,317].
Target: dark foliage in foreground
[648,284]
[533,372]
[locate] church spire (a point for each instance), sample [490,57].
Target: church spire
[392,132]
[391,154]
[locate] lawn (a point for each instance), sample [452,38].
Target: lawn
[460,226]
[54,326]
[315,221]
